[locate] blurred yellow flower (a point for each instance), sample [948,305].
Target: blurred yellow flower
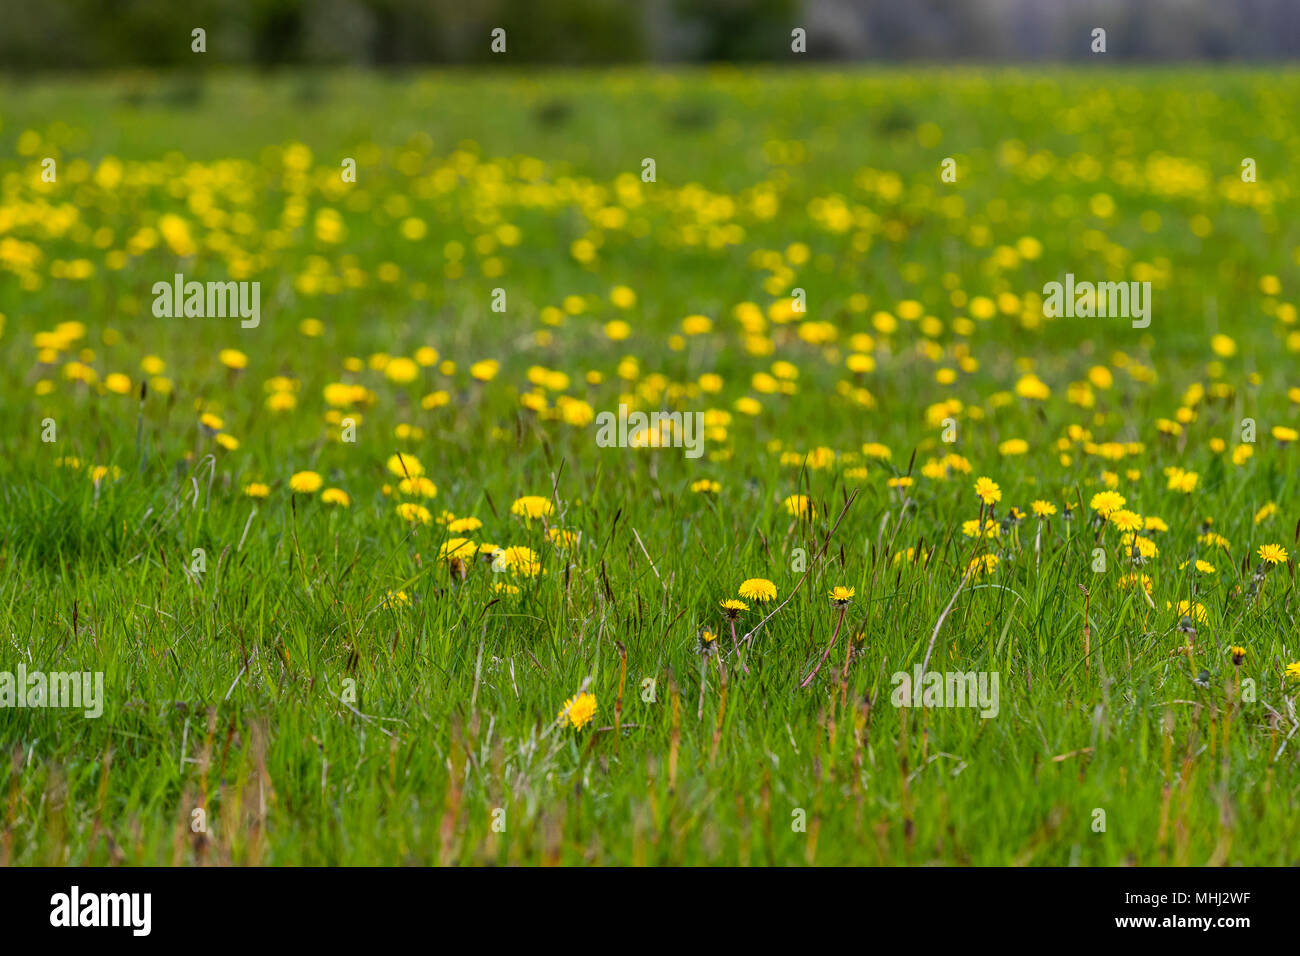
[531,506]
[306,482]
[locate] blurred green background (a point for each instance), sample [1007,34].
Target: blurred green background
[95,34]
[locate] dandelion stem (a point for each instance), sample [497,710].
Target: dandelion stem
[735,645]
[808,680]
[699,713]
[722,708]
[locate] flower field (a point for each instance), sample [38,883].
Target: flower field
[636,467]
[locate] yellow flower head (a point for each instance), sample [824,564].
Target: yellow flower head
[563,539]
[418,487]
[405,465]
[117,383]
[578,711]
[402,370]
[971,528]
[531,506]
[1184,481]
[306,482]
[732,608]
[485,370]
[757,589]
[1190,609]
[840,596]
[336,496]
[799,506]
[1126,520]
[410,511]
[515,556]
[1107,502]
[1272,553]
[457,548]
[987,490]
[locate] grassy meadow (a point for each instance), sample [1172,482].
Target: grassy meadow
[364,587]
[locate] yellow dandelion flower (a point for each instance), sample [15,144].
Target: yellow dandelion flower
[514,557]
[1189,609]
[1272,553]
[578,711]
[531,506]
[799,506]
[457,548]
[336,496]
[1184,481]
[410,511]
[1106,503]
[840,595]
[117,383]
[697,325]
[984,564]
[757,589]
[404,465]
[419,487]
[987,490]
[561,538]
[281,402]
[233,359]
[306,482]
[733,608]
[402,370]
[876,450]
[485,370]
[1126,520]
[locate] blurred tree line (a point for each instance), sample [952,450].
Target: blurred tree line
[99,34]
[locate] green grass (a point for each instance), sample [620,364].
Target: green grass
[223,689]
